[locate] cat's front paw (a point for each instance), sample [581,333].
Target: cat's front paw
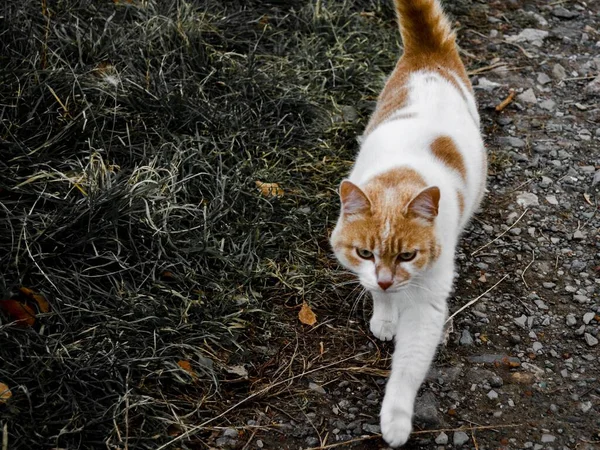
[383,329]
[395,427]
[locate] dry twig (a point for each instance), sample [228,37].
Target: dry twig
[504,103]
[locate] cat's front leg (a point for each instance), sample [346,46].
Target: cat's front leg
[418,333]
[384,321]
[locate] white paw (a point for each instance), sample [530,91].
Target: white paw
[395,426]
[383,329]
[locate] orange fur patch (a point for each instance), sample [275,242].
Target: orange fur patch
[444,149]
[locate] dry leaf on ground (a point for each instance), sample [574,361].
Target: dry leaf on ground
[269,189]
[5,393]
[237,370]
[39,299]
[306,315]
[23,314]
[185,365]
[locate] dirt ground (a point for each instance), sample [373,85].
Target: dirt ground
[135,134]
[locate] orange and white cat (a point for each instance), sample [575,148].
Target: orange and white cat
[419,176]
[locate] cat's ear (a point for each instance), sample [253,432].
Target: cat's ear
[425,204]
[354,200]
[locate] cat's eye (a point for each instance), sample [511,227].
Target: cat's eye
[364,253]
[407,256]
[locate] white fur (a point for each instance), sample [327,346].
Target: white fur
[415,313]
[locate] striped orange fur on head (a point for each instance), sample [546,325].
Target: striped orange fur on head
[391,216]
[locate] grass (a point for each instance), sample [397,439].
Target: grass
[132,136]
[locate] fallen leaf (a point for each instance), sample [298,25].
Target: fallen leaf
[185,365]
[23,314]
[237,370]
[306,315]
[522,378]
[269,189]
[39,299]
[5,393]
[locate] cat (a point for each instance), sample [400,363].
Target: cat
[419,176]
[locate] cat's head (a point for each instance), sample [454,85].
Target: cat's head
[386,230]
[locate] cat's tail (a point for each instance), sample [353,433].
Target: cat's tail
[424,27]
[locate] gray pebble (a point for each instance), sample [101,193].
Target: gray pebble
[528,96]
[230,433]
[460,438]
[521,321]
[465,338]
[370,428]
[587,317]
[548,438]
[571,320]
[442,439]
[559,72]
[590,340]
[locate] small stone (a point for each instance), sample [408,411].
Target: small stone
[590,340]
[578,235]
[548,285]
[552,199]
[540,304]
[442,439]
[528,96]
[548,105]
[537,346]
[317,388]
[559,72]
[571,320]
[536,37]
[593,88]
[224,442]
[548,438]
[580,331]
[492,395]
[564,13]
[546,182]
[230,433]
[585,406]
[311,441]
[466,339]
[511,141]
[542,78]
[521,321]
[514,339]
[486,84]
[587,317]
[460,438]
[581,298]
[426,409]
[259,443]
[370,428]
[527,199]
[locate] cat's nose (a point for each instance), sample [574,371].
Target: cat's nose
[385,284]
